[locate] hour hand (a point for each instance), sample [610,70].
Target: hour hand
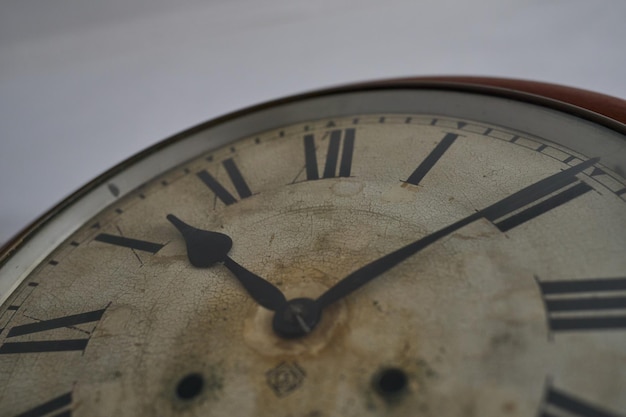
[206,248]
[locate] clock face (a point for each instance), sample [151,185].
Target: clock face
[356,254]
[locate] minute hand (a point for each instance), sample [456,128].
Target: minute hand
[495,211]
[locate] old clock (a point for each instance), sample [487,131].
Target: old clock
[427,247]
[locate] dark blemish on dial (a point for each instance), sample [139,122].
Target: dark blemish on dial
[391,382]
[114,190]
[190,386]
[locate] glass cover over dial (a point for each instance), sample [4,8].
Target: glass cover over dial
[356,262]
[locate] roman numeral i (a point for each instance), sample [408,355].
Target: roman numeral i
[429,162]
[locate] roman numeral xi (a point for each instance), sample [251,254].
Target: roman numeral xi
[243,191]
[50,344]
[585,304]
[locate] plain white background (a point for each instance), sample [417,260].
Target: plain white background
[85,84]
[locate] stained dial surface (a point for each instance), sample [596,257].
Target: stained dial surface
[520,312]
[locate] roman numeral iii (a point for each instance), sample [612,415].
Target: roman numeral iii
[243,191]
[50,345]
[586,304]
[340,140]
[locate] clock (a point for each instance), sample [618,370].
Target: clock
[434,246]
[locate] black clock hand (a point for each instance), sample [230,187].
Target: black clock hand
[495,211]
[206,248]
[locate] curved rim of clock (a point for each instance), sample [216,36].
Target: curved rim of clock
[599,108]
[607,111]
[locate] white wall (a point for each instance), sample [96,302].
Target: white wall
[83,85]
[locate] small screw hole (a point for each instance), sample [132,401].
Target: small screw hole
[190,386]
[391,381]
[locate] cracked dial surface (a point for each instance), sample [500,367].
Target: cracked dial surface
[520,314]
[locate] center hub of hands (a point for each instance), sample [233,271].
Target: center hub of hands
[296,318]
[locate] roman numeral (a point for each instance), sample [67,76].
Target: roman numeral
[58,345]
[542,207]
[530,199]
[432,158]
[332,155]
[557,403]
[235,177]
[126,242]
[58,406]
[583,304]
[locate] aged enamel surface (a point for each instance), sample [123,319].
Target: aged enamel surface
[464,318]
